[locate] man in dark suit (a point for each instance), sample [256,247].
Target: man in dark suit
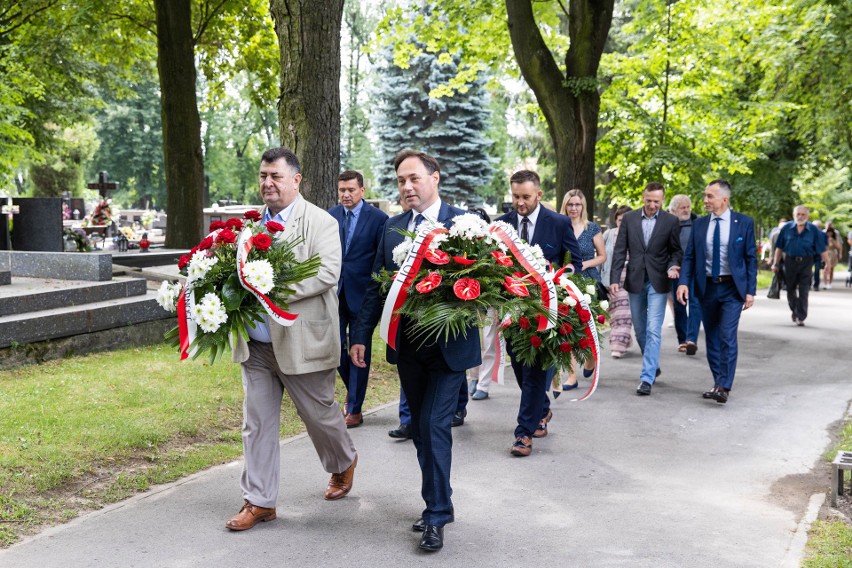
[721,262]
[431,375]
[360,232]
[552,232]
[651,236]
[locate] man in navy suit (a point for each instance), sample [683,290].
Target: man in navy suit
[721,263]
[552,232]
[431,375]
[360,232]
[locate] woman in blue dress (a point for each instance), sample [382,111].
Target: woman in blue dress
[592,254]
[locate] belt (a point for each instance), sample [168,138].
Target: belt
[720,279]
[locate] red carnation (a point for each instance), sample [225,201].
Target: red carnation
[183,261]
[429,283]
[501,258]
[601,318]
[585,316]
[234,224]
[466,289]
[464,260]
[516,287]
[565,328]
[437,257]
[252,215]
[226,236]
[535,341]
[215,225]
[274,226]
[524,323]
[584,343]
[262,242]
[205,243]
[565,347]
[564,310]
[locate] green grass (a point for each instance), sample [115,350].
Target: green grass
[764,278]
[79,433]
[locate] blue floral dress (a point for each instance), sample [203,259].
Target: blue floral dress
[587,249]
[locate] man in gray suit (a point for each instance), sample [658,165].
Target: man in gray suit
[652,239]
[302,358]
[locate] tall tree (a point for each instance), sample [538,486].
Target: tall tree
[309,103]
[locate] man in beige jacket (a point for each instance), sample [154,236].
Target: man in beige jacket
[302,358]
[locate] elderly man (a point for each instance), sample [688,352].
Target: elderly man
[800,242]
[687,319]
[301,358]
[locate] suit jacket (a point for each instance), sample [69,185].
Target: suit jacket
[357,272]
[461,352]
[663,252]
[742,255]
[312,343]
[554,234]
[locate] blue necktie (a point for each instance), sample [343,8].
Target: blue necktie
[716,267]
[347,219]
[525,229]
[418,220]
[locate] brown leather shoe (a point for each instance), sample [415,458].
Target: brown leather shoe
[541,432]
[522,446]
[340,484]
[354,420]
[249,516]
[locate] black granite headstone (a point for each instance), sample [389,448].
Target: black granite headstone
[38,224]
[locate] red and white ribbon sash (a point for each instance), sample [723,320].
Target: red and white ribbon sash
[244,246]
[536,271]
[402,282]
[187,328]
[592,333]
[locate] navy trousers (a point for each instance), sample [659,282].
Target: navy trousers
[535,404]
[405,410]
[721,308]
[355,378]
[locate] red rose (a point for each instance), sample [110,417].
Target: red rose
[516,287]
[183,261]
[429,283]
[252,215]
[234,224]
[565,328]
[535,341]
[437,257]
[262,242]
[466,289]
[215,225]
[274,227]
[205,243]
[585,343]
[524,323]
[565,347]
[601,318]
[502,259]
[226,236]
[464,260]
[564,310]
[585,316]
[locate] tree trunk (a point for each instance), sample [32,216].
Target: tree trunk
[570,102]
[309,105]
[184,161]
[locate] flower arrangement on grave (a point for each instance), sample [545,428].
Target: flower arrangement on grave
[80,240]
[102,214]
[239,273]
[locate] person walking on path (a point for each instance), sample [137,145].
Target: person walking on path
[301,359]
[621,324]
[652,239]
[720,268]
[687,318]
[799,241]
[834,250]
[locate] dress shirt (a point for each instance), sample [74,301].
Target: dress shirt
[533,217]
[430,214]
[353,221]
[648,224]
[261,329]
[724,238]
[808,243]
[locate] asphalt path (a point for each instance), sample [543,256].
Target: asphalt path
[622,480]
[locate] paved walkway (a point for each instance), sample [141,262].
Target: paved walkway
[622,480]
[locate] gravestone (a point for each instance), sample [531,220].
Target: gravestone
[5,269]
[37,225]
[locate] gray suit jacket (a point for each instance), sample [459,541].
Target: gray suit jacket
[652,261]
[312,343]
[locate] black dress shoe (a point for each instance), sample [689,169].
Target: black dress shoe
[458,417]
[709,394]
[644,388]
[432,539]
[720,396]
[401,433]
[658,373]
[420,525]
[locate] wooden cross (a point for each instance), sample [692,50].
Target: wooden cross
[103,185]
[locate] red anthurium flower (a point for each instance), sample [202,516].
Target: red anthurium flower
[524,323]
[216,225]
[262,241]
[565,347]
[502,259]
[437,256]
[274,226]
[234,224]
[601,318]
[226,236]
[252,215]
[464,260]
[535,341]
[429,283]
[466,288]
[516,287]
[564,310]
[205,243]
[183,261]
[565,328]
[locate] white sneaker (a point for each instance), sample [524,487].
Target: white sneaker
[827,286]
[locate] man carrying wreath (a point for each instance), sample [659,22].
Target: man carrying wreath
[301,358]
[433,374]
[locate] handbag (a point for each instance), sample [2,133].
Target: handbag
[603,293]
[774,292]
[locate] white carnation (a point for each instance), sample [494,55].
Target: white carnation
[400,251]
[167,296]
[604,305]
[199,266]
[587,298]
[569,301]
[211,313]
[591,289]
[437,241]
[468,226]
[260,275]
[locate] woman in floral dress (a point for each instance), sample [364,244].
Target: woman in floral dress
[621,324]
